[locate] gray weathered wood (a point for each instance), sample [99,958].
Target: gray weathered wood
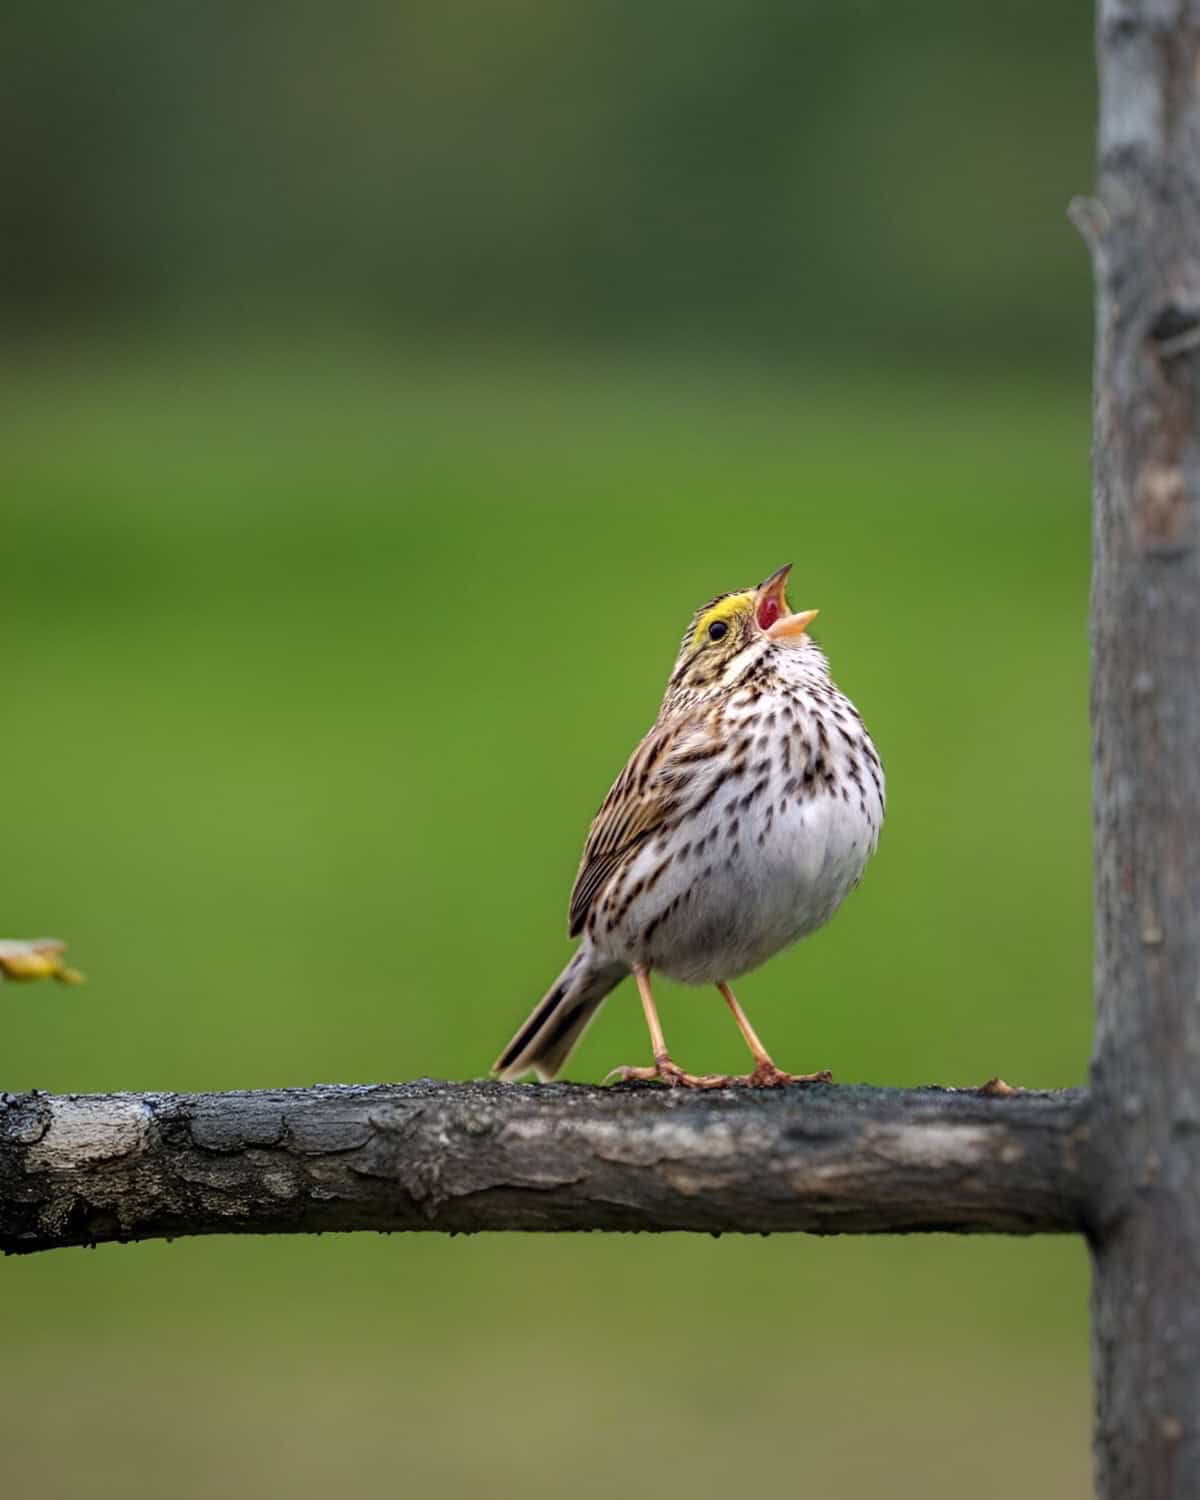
[78,1170]
[1144,232]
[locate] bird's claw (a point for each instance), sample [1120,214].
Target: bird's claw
[672,1075]
[767,1076]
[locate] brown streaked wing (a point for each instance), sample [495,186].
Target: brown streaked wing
[642,798]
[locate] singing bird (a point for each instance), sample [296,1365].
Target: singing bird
[739,824]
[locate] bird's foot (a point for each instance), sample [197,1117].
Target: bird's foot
[665,1071]
[767,1076]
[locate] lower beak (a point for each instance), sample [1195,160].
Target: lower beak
[772,611]
[792,625]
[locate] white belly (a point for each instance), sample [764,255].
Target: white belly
[746,886]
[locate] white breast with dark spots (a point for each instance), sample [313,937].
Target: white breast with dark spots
[769,856]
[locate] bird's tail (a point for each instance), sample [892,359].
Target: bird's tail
[556,1023]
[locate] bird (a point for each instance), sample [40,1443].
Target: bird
[739,825]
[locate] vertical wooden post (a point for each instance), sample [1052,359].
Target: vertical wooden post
[1144,232]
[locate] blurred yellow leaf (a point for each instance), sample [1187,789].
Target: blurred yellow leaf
[36,958]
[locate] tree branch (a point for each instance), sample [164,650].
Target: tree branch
[463,1157]
[1146,751]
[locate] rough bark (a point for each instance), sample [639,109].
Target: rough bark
[462,1157]
[1144,232]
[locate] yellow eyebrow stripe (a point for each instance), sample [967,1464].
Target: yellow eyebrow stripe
[727,610]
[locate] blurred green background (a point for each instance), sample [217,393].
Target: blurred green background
[382,393]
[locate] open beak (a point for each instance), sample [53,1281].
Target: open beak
[772,611]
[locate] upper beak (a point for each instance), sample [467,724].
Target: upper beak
[781,623]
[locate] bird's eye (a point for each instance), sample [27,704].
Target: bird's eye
[717,629]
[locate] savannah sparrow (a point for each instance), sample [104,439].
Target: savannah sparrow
[740,823]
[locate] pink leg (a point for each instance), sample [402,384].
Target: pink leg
[664,1070]
[765,1074]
